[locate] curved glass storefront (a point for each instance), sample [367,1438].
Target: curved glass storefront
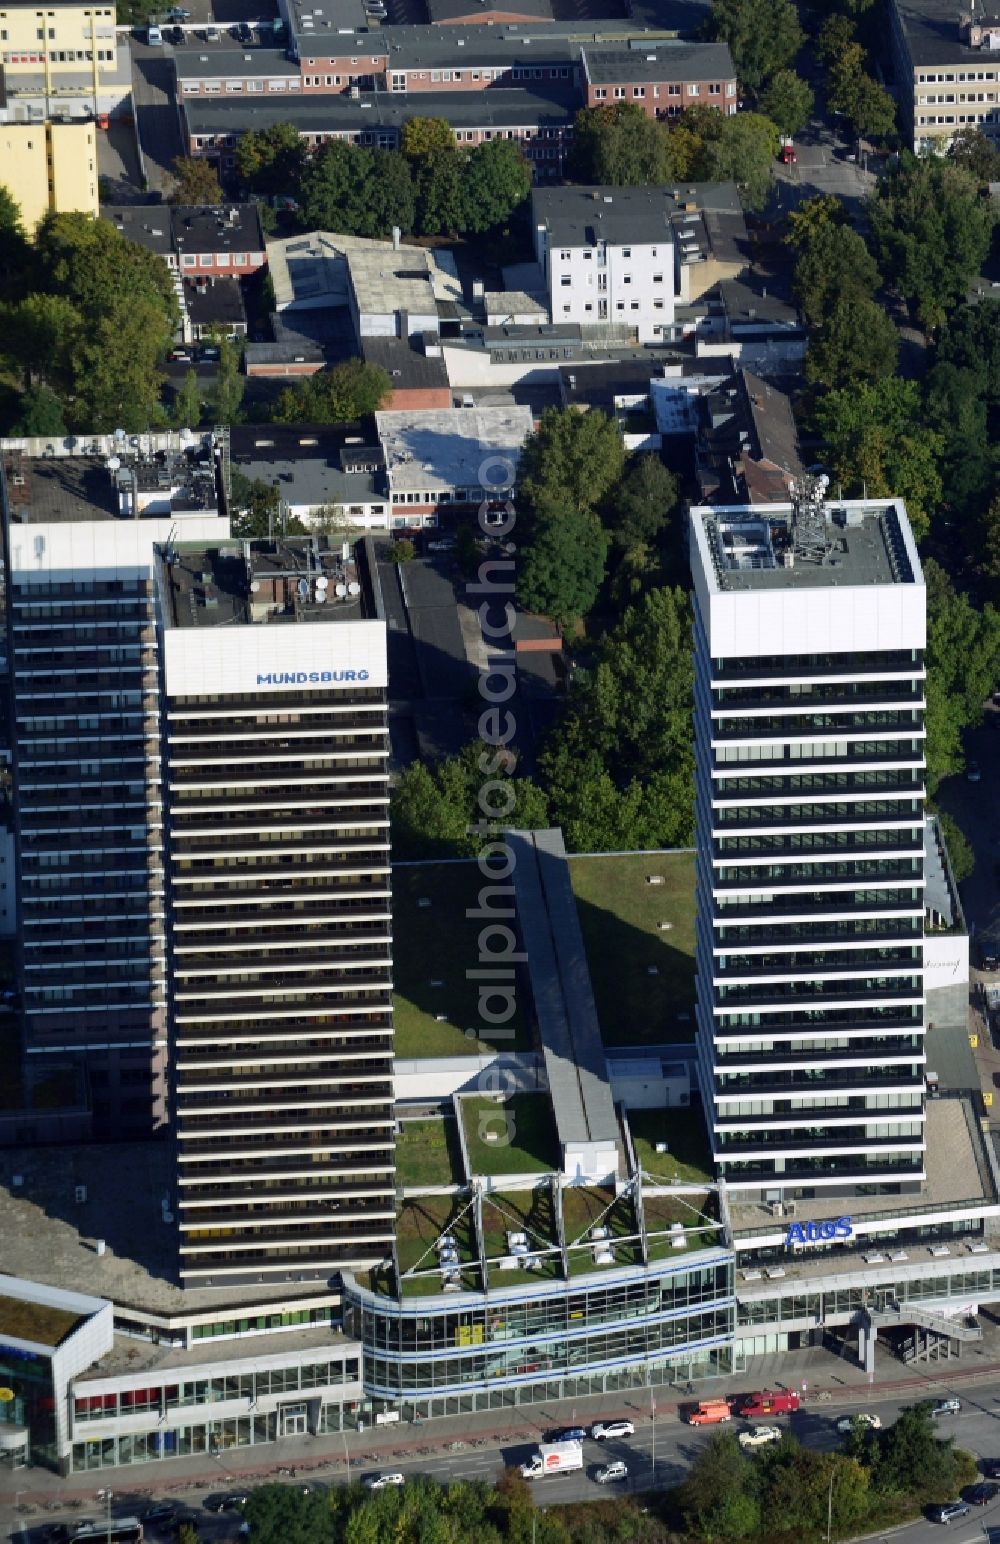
[610,1330]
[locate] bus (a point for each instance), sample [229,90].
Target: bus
[117,1530]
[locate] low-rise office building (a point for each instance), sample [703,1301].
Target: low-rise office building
[193,240]
[64,62]
[663,78]
[946,72]
[453,458]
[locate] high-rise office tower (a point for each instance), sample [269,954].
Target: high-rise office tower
[275,773]
[809,703]
[84,666]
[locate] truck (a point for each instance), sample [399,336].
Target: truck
[710,1412]
[769,1402]
[554,1458]
[787,152]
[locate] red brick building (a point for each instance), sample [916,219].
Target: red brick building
[663,78]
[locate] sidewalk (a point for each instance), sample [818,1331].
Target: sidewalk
[835,1379]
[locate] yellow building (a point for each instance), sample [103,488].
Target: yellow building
[50,166]
[63,61]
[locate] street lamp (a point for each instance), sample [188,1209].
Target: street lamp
[829,1507]
[652,1412]
[347,1451]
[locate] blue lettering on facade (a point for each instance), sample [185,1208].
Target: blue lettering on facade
[308,677]
[818,1232]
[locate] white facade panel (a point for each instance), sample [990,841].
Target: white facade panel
[274,657]
[866,618]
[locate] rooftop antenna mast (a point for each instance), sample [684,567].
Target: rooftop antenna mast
[809,525]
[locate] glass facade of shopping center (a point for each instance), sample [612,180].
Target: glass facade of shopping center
[574,1338]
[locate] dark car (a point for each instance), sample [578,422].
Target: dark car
[991,1468]
[161,1513]
[55,1533]
[982,1494]
[176,36]
[232,1501]
[568,1434]
[947,1511]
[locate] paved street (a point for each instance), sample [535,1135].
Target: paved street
[156,114]
[478,1446]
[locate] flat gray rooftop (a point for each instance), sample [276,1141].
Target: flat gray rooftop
[958,1171]
[284,579]
[131,1355]
[575,1064]
[50,1236]
[65,488]
[850,543]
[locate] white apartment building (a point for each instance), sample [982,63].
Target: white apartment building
[809,708]
[607,257]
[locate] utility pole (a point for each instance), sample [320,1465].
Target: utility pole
[347,1452]
[652,1411]
[829,1507]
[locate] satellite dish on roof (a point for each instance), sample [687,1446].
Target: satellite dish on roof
[186,437]
[354,588]
[340,590]
[114,462]
[322,582]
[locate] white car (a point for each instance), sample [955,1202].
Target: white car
[381,1481]
[615,1471]
[606,1431]
[848,1422]
[759,1436]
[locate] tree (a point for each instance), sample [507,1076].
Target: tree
[641,506]
[814,215]
[253,504]
[195,182]
[932,233]
[619,146]
[572,459]
[962,659]
[856,341]
[391,196]
[403,550]
[15,249]
[40,413]
[271,161]
[619,766]
[440,193]
[912,1459]
[878,442]
[349,391]
[435,812]
[717,1497]
[94,318]
[763,36]
[788,101]
[497,180]
[836,36]
[741,149]
[422,136]
[563,562]
[187,403]
[976,154]
[833,266]
[845,70]
[960,850]
[227,393]
[873,110]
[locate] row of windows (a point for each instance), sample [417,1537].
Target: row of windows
[57,55]
[208,1391]
[692,89]
[941,77]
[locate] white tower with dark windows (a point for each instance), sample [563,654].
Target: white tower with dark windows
[809,719]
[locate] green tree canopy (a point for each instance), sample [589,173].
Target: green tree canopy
[227,392]
[270,161]
[347,392]
[40,413]
[878,442]
[354,189]
[932,232]
[422,136]
[741,148]
[640,507]
[440,193]
[833,265]
[497,179]
[837,36]
[619,766]
[962,658]
[187,402]
[15,249]
[618,146]
[572,459]
[562,562]
[970,149]
[435,811]
[788,101]
[763,36]
[856,341]
[195,182]
[814,215]
[41,334]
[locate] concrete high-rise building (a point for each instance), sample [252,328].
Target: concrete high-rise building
[809,714]
[276,807]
